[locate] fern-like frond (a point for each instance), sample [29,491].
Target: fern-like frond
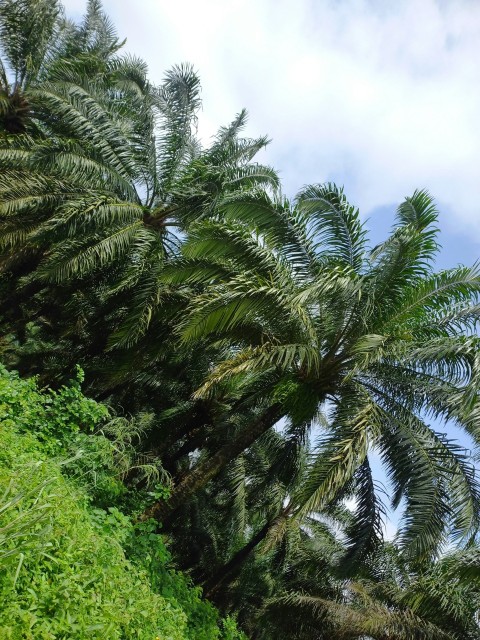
[335,224]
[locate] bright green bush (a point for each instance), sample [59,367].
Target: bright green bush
[53,416]
[150,550]
[69,570]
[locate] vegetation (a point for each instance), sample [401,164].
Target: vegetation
[69,568]
[242,357]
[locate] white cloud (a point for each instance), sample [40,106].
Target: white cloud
[384,97]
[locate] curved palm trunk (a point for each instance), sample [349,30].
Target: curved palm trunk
[230,570]
[233,566]
[198,420]
[206,471]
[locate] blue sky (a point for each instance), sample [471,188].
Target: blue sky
[381,97]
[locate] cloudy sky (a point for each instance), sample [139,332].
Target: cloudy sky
[380,96]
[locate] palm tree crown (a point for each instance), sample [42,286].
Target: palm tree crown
[105,172]
[374,335]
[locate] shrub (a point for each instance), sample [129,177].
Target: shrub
[68,569]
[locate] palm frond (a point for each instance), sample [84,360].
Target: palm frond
[335,224]
[26,30]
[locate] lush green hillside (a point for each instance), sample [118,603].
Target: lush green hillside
[69,569]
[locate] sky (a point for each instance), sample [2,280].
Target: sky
[382,97]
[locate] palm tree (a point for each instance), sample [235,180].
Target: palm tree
[62,147]
[395,601]
[248,496]
[35,38]
[444,592]
[26,32]
[373,335]
[102,179]
[304,585]
[306,588]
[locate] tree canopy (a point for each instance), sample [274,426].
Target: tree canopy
[244,357]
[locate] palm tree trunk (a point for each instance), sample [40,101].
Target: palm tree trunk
[206,471]
[231,568]
[194,440]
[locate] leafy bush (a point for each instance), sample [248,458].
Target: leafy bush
[54,416]
[149,549]
[69,569]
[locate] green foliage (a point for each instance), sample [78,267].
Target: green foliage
[67,569]
[230,630]
[220,323]
[55,416]
[149,549]
[76,581]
